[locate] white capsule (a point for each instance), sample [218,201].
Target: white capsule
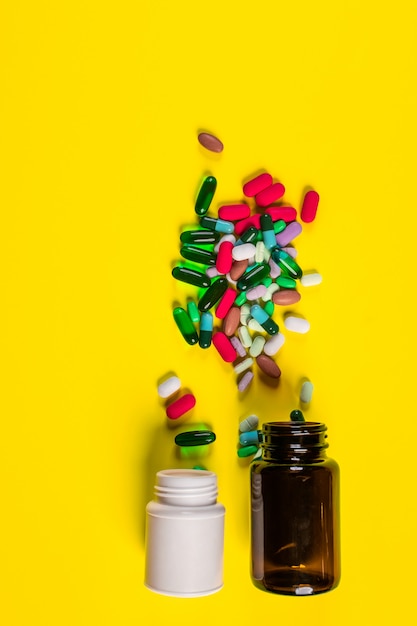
[273,287]
[257,346]
[254,325]
[256,292]
[243,251]
[309,279]
[243,365]
[259,251]
[244,336]
[248,424]
[169,386]
[296,324]
[244,314]
[273,344]
[306,392]
[228,237]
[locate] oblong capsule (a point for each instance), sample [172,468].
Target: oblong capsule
[247,451]
[260,251]
[279,226]
[275,270]
[287,263]
[308,279]
[223,346]
[273,287]
[257,184]
[273,344]
[191,276]
[256,292]
[225,237]
[169,386]
[306,392]
[286,213]
[193,312]
[179,407]
[270,194]
[255,326]
[205,237]
[268,233]
[250,438]
[309,207]
[195,438]
[269,308]
[238,268]
[210,142]
[288,234]
[244,336]
[268,366]
[224,257]
[257,346]
[199,255]
[249,423]
[243,365]
[264,319]
[245,381]
[250,235]
[296,324]
[213,294]
[234,211]
[225,303]
[231,321]
[243,252]
[205,195]
[285,297]
[241,298]
[206,329]
[253,277]
[285,282]
[185,325]
[237,344]
[216,224]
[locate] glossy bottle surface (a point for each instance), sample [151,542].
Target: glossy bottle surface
[295,511]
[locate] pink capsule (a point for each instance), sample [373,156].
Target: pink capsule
[270,194]
[288,234]
[286,213]
[256,292]
[275,269]
[254,186]
[224,258]
[225,303]
[310,204]
[223,346]
[231,212]
[180,406]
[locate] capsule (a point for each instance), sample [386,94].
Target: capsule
[255,326]
[169,386]
[269,308]
[297,416]
[285,297]
[213,294]
[250,235]
[257,346]
[270,194]
[224,257]
[210,142]
[253,277]
[247,451]
[264,320]
[252,221]
[181,406]
[244,365]
[309,207]
[224,347]
[296,324]
[234,211]
[199,255]
[218,225]
[260,252]
[286,213]
[243,252]
[251,437]
[205,195]
[287,263]
[195,438]
[244,336]
[241,298]
[190,276]
[268,366]
[285,282]
[309,279]
[306,392]
[257,184]
[238,268]
[237,344]
[245,381]
[193,312]
[273,344]
[275,270]
[250,423]
[185,325]
[256,292]
[206,329]
[225,303]
[268,234]
[224,237]
[279,226]
[231,321]
[291,232]
[205,237]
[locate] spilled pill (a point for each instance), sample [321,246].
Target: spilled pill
[257,184]
[249,423]
[169,386]
[210,142]
[224,347]
[306,392]
[309,207]
[273,344]
[249,438]
[247,451]
[245,381]
[243,365]
[296,324]
[268,366]
[269,195]
[308,279]
[231,321]
[195,438]
[205,195]
[284,297]
[237,344]
[234,211]
[181,406]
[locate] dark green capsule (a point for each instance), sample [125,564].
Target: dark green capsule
[217,224]
[199,255]
[297,416]
[190,276]
[185,325]
[250,235]
[247,451]
[195,438]
[279,226]
[206,329]
[205,195]
[203,237]
[286,263]
[285,282]
[253,277]
[213,294]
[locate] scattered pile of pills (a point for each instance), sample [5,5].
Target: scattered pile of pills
[244,261]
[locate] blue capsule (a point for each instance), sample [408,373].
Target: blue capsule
[206,329]
[252,437]
[268,234]
[264,319]
[216,224]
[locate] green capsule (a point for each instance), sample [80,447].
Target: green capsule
[285,282]
[240,298]
[200,467]
[253,277]
[269,308]
[193,312]
[213,294]
[247,451]
[279,226]
[199,255]
[205,195]
[185,325]
[250,235]
[286,263]
[203,237]
[195,438]
[267,281]
[206,329]
[190,276]
[297,416]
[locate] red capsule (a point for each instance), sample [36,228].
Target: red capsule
[223,346]
[231,212]
[226,302]
[310,204]
[224,258]
[270,194]
[254,186]
[286,213]
[180,406]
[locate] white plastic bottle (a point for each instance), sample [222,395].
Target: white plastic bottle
[185,534]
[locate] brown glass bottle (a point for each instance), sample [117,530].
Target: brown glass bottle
[295,541]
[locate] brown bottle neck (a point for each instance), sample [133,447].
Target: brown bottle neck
[291,442]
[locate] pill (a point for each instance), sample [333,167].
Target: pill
[253,221]
[249,423]
[195,438]
[269,308]
[286,263]
[231,321]
[247,451]
[286,213]
[255,326]
[210,142]
[190,276]
[193,312]
[260,250]
[212,271]
[199,255]
[244,336]
[306,392]
[218,225]
[206,330]
[267,281]
[245,314]
[179,407]
[291,232]
[234,211]
[273,287]
[290,250]
[245,381]
[205,195]
[199,237]
[253,276]
[241,298]
[257,346]
[250,235]
[258,455]
[213,294]
[270,194]
[200,467]
[244,365]
[238,268]
[225,303]
[257,184]
[264,319]
[308,279]
[268,233]
[185,325]
[279,226]
[249,438]
[273,344]
[256,292]
[224,257]
[243,252]
[297,416]
[275,269]
[230,279]
[284,297]
[309,207]
[296,324]
[226,237]
[268,366]
[285,282]
[237,344]
[169,386]
[223,346]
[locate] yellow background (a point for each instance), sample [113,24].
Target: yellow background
[101,104]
